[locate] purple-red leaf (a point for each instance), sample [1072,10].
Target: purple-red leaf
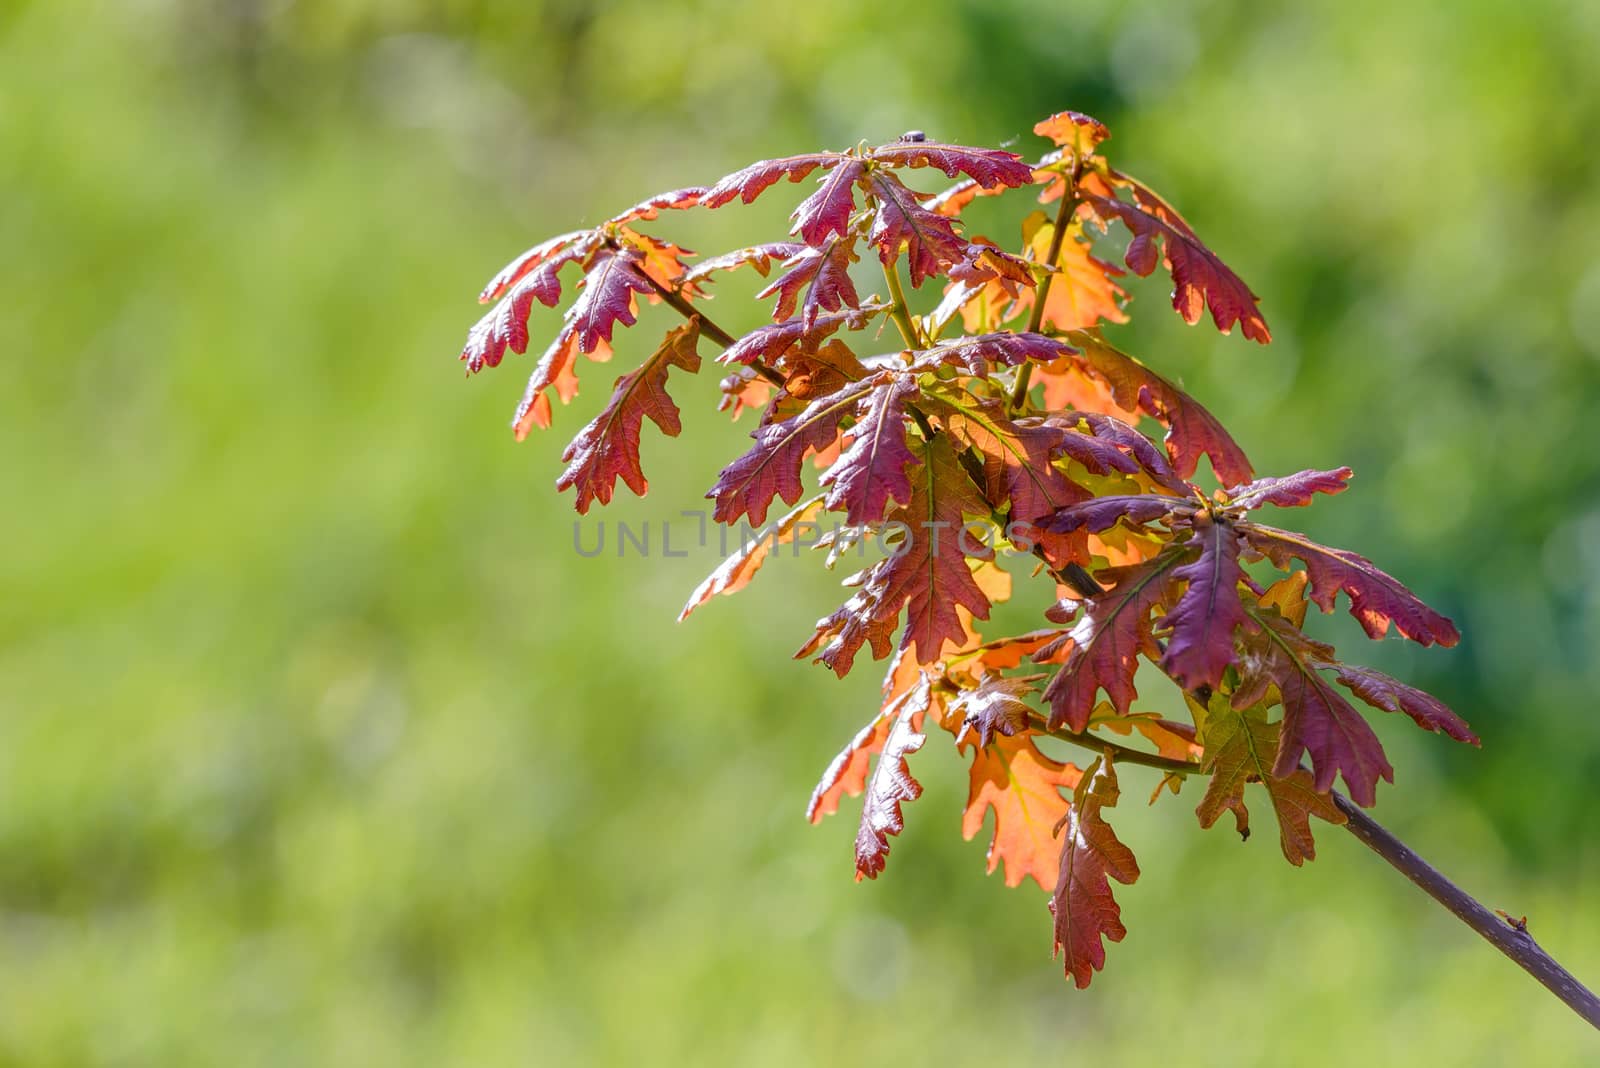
[769,343]
[772,466]
[1291,491]
[827,211]
[997,705]
[977,353]
[1392,695]
[1092,855]
[750,182]
[1199,278]
[1107,640]
[891,783]
[990,168]
[824,274]
[926,574]
[1103,513]
[1191,429]
[1376,599]
[1316,719]
[608,296]
[759,257]
[501,283]
[872,471]
[1205,618]
[608,448]
[931,243]
[674,200]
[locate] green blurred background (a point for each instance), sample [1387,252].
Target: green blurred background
[319,744]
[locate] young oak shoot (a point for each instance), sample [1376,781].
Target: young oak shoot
[1005,405]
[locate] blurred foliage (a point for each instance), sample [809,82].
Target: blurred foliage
[319,744]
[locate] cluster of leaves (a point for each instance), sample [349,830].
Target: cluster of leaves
[1005,406]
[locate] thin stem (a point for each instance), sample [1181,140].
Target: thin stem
[901,311]
[710,329]
[1509,938]
[1123,754]
[1069,204]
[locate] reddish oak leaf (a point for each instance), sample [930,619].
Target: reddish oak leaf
[1103,513]
[1392,695]
[997,705]
[1205,618]
[990,168]
[1098,455]
[1376,599]
[1241,748]
[1107,640]
[772,466]
[1023,786]
[747,183]
[890,785]
[975,354]
[824,274]
[1091,855]
[1316,720]
[1016,456]
[772,342]
[673,200]
[759,257]
[1191,429]
[872,471]
[580,241]
[608,448]
[609,288]
[1199,278]
[926,573]
[931,244]
[827,211]
[1291,491]
[735,573]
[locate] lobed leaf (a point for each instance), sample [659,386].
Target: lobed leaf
[827,211]
[1291,491]
[1376,599]
[1023,787]
[1205,618]
[1192,430]
[1199,278]
[926,575]
[823,273]
[772,466]
[890,785]
[1107,640]
[989,168]
[735,573]
[1240,747]
[1086,913]
[930,242]
[872,471]
[608,447]
[747,183]
[1392,695]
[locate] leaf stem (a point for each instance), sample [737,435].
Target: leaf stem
[1069,205]
[901,311]
[1122,753]
[675,300]
[1511,939]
